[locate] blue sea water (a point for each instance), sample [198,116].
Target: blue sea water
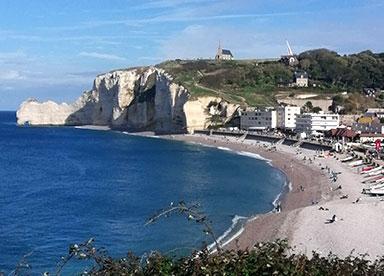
[61,185]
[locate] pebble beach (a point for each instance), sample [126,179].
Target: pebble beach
[312,198]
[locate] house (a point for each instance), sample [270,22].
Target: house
[223,54]
[342,133]
[286,116]
[369,92]
[258,119]
[301,79]
[375,112]
[290,59]
[368,124]
[316,122]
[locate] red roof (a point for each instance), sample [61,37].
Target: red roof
[343,132]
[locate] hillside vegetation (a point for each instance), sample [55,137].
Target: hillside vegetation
[255,82]
[247,82]
[348,72]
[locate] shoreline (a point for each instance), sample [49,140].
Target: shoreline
[308,201]
[288,199]
[310,189]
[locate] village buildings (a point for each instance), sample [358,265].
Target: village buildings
[301,79]
[283,117]
[286,116]
[258,119]
[316,122]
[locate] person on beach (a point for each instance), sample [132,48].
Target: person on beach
[278,208]
[357,200]
[332,220]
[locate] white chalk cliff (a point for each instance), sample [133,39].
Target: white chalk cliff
[134,99]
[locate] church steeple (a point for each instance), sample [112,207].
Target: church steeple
[219,51]
[223,53]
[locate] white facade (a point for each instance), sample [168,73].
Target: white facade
[258,119]
[286,116]
[223,54]
[302,81]
[311,122]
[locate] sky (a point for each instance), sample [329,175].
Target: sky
[54,49]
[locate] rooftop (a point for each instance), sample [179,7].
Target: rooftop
[226,52]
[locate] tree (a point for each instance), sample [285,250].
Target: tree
[307,107]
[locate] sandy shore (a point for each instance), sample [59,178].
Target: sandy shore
[359,226]
[312,200]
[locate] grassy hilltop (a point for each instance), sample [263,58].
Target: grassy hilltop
[257,82]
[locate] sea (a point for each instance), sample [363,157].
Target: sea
[63,185]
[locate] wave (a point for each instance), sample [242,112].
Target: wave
[141,135]
[224,148]
[253,155]
[290,186]
[231,233]
[277,201]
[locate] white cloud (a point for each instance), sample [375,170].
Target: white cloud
[10,75]
[102,56]
[161,4]
[7,88]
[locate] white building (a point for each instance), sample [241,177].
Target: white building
[301,79]
[223,54]
[286,116]
[258,119]
[313,122]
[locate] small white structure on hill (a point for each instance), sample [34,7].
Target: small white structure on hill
[286,116]
[223,54]
[313,122]
[301,79]
[291,58]
[258,119]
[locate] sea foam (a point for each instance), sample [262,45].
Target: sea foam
[231,233]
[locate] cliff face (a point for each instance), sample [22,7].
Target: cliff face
[135,99]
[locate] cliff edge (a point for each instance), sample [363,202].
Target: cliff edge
[137,99]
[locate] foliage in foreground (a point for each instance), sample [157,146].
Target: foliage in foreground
[274,258]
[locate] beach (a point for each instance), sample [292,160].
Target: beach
[310,201]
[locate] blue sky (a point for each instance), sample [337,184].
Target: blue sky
[54,49]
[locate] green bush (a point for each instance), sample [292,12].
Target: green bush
[273,258]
